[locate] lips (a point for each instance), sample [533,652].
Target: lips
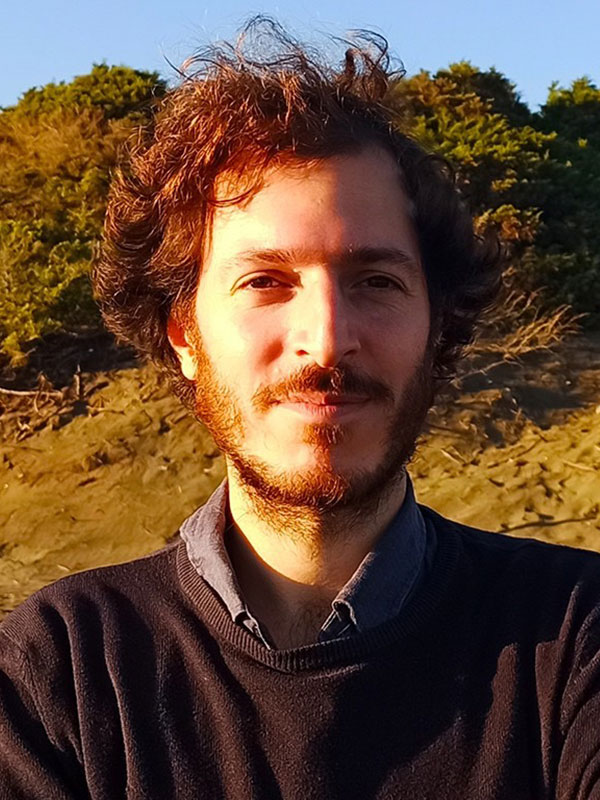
[326,399]
[325,407]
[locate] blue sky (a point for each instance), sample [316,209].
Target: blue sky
[532,42]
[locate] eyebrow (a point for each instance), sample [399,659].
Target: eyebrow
[349,257]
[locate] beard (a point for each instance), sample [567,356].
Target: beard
[320,489]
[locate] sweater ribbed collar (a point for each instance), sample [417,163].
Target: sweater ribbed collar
[341,651]
[375,592]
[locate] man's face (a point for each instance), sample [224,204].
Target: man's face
[310,354]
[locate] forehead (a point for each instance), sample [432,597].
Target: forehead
[334,205]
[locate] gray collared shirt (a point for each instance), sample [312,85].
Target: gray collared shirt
[375,593]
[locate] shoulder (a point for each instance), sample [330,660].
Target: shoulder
[100,597]
[518,576]
[503,548]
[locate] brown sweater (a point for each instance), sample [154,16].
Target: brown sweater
[133,681]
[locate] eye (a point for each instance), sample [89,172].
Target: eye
[389,283]
[261,282]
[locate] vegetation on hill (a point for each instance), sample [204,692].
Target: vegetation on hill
[58,146]
[517,452]
[533,177]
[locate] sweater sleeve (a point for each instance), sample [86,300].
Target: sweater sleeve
[579,764]
[32,767]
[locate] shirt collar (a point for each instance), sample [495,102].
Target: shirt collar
[203,534]
[376,591]
[387,574]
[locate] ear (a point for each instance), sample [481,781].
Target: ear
[179,342]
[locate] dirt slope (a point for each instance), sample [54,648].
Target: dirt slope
[519,452]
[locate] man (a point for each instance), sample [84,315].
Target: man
[305,274]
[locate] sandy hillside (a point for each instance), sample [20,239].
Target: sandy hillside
[517,451]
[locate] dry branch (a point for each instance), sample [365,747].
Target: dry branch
[542,332]
[28,392]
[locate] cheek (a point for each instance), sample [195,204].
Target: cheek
[417,324]
[405,336]
[255,338]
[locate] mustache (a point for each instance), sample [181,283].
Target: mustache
[312,378]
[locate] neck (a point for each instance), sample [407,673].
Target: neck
[292,562]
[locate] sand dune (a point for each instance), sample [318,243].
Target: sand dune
[116,481]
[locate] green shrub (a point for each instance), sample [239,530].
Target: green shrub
[533,178]
[58,146]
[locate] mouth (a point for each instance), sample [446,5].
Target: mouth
[324,406]
[326,399]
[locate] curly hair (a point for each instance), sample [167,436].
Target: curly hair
[239,109]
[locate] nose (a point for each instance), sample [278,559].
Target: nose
[323,324]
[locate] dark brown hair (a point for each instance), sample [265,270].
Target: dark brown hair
[239,109]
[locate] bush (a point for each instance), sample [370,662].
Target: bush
[532,178]
[57,149]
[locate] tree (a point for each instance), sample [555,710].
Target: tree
[567,256]
[58,146]
[533,178]
[116,91]
[459,113]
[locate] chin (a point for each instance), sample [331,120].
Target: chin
[318,486]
